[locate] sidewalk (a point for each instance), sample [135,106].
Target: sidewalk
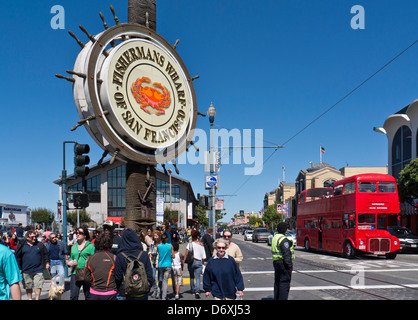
[185,293]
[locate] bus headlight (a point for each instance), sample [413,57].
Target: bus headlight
[361,242]
[395,242]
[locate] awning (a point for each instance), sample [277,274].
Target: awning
[195,221]
[117,220]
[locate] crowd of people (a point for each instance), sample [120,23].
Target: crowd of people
[135,265]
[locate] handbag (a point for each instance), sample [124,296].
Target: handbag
[190,257]
[79,272]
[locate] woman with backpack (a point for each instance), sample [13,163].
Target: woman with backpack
[100,270]
[131,263]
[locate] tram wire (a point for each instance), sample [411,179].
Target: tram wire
[332,107]
[349,273]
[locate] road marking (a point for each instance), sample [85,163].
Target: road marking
[316,288]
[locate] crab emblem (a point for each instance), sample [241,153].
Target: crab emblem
[148,96]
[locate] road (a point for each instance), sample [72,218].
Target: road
[316,276]
[319,276]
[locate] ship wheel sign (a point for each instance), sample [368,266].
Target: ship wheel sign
[134,94]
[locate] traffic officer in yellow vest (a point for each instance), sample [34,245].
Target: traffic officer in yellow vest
[283,254]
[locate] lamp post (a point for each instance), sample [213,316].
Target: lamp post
[171,212]
[212,191]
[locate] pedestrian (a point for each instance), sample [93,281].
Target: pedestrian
[131,248]
[233,250]
[283,254]
[222,275]
[57,252]
[100,268]
[39,231]
[20,232]
[207,241]
[195,267]
[153,255]
[9,275]
[165,254]
[32,258]
[13,242]
[109,228]
[80,251]
[177,270]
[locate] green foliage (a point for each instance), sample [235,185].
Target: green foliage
[42,215]
[271,217]
[408,183]
[200,214]
[72,217]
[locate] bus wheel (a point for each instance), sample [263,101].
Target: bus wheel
[348,250]
[307,245]
[391,255]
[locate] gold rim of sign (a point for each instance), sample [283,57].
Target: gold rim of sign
[139,91]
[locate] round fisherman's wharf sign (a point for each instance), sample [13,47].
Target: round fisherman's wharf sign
[146,93]
[136,94]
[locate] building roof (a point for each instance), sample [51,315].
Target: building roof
[318,166]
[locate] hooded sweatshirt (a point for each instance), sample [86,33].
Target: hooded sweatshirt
[132,247]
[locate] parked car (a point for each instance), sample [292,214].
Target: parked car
[407,239]
[291,235]
[260,234]
[248,235]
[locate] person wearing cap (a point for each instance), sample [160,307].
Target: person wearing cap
[282,254]
[109,227]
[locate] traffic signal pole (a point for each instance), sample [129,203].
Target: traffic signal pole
[64,201]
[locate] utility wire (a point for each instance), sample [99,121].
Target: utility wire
[332,107]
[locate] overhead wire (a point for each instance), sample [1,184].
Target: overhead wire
[332,107]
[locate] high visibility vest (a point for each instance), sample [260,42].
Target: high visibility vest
[275,247]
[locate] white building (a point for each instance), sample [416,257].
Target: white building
[106,187]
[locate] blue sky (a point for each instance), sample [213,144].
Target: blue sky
[270,65]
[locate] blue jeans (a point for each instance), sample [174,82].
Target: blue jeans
[57,267]
[195,270]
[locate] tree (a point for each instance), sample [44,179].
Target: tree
[271,217]
[408,183]
[42,215]
[254,219]
[72,217]
[200,214]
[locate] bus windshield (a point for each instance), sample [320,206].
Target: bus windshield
[367,187]
[366,218]
[388,187]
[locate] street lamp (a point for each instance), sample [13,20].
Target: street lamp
[211,114]
[171,212]
[212,192]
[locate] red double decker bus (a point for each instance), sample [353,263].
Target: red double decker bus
[350,218]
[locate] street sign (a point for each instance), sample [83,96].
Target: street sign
[219,204]
[211,181]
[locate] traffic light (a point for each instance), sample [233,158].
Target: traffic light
[81,200]
[81,160]
[203,201]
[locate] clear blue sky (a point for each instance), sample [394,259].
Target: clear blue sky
[271,65]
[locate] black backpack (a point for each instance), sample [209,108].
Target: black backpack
[136,281]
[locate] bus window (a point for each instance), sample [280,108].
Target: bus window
[349,221]
[303,198]
[388,187]
[338,190]
[350,188]
[366,218]
[367,187]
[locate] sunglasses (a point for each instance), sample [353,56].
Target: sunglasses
[80,232]
[227,236]
[221,248]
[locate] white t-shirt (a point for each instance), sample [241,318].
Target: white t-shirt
[198,251]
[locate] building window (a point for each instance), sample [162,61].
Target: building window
[116,191]
[401,150]
[163,191]
[92,189]
[329,183]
